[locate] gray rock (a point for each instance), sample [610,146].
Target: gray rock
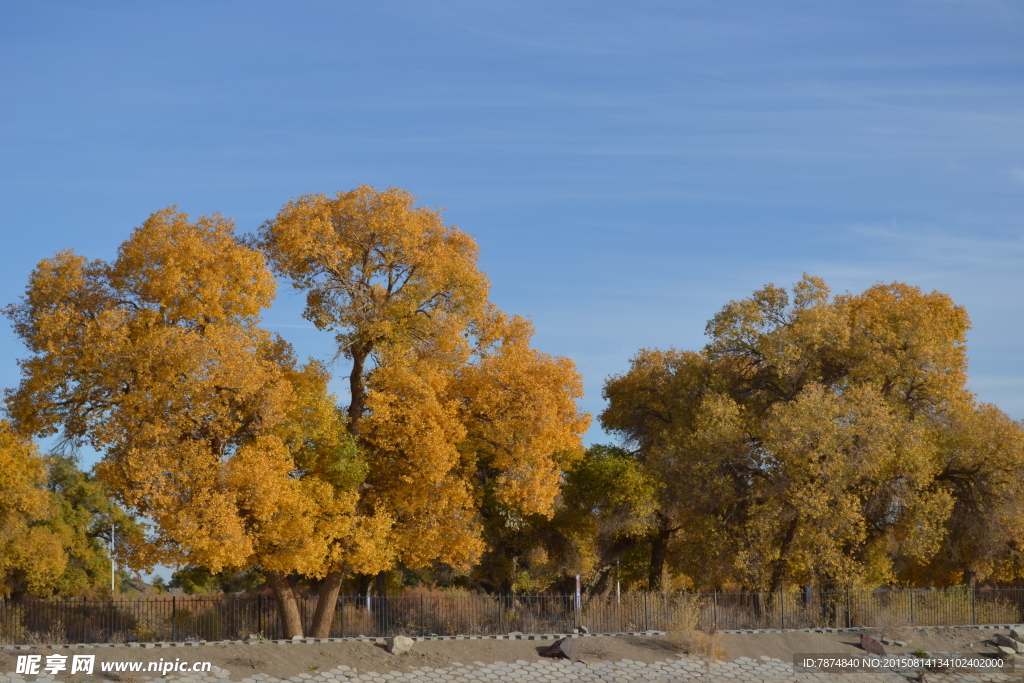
[1017,634]
[563,649]
[1006,653]
[871,645]
[1007,641]
[399,645]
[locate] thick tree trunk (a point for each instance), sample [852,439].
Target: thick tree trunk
[970,578]
[287,607]
[365,582]
[659,552]
[326,604]
[779,570]
[357,390]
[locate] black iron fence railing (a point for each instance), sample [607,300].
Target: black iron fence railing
[232,617]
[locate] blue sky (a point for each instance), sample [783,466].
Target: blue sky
[627,168]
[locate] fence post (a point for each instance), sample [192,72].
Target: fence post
[782,606]
[341,598]
[85,621]
[647,626]
[174,622]
[849,611]
[423,617]
[911,607]
[715,610]
[974,604]
[501,614]
[576,604]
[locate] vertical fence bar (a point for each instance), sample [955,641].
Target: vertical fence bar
[715,610]
[501,615]
[782,607]
[974,605]
[647,626]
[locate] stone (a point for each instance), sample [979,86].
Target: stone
[1007,641]
[1017,633]
[583,629]
[399,645]
[562,649]
[1006,653]
[871,645]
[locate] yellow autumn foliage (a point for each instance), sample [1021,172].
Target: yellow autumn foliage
[208,427]
[449,401]
[824,439]
[31,553]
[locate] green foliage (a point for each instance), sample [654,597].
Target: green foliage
[201,581]
[56,522]
[611,485]
[85,516]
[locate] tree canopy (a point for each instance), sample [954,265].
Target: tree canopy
[816,438]
[459,418]
[207,425]
[825,439]
[239,457]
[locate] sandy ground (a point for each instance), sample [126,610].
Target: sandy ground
[287,660]
[784,645]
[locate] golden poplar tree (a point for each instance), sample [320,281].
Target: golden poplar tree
[448,400]
[207,425]
[823,439]
[32,555]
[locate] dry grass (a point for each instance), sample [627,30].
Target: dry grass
[685,613]
[706,644]
[598,650]
[890,625]
[56,635]
[253,660]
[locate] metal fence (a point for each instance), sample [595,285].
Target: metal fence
[182,618]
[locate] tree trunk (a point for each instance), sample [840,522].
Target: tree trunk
[326,603]
[659,551]
[365,581]
[357,390]
[779,570]
[970,578]
[287,607]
